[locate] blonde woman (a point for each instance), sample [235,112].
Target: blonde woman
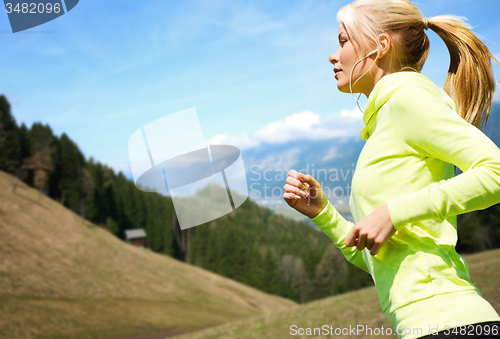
[405,195]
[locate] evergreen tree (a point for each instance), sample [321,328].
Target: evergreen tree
[254,276]
[71,180]
[154,222]
[10,146]
[212,253]
[272,279]
[24,143]
[111,226]
[198,246]
[96,212]
[137,214]
[311,260]
[232,254]
[41,139]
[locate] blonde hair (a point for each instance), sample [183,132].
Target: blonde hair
[470,80]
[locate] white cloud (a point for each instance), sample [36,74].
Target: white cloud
[332,152]
[355,112]
[299,126]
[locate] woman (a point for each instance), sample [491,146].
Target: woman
[405,196]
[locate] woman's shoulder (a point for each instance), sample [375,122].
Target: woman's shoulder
[417,90]
[408,81]
[399,87]
[416,105]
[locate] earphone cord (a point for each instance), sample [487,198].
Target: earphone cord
[350,82]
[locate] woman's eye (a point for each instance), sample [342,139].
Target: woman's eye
[342,42]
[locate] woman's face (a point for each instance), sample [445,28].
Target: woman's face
[344,59]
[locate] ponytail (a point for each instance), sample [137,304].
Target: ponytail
[470,81]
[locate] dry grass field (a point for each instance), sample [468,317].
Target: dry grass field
[63,277]
[351,309]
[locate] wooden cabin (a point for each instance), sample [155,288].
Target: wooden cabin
[135,237]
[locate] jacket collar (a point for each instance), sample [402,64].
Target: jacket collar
[382,92]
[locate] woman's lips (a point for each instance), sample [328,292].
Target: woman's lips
[337,71]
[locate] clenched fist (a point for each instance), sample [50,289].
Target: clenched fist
[304,193]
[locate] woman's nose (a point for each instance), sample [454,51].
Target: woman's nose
[334,58]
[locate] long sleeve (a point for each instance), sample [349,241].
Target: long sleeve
[337,228]
[430,126]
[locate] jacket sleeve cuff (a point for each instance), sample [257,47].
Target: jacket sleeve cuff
[336,227]
[411,207]
[333,224]
[324,216]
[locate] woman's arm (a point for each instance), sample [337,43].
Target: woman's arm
[430,126]
[337,228]
[316,206]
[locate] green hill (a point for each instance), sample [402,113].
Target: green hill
[63,277]
[350,309]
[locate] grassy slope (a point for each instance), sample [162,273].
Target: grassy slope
[355,308]
[62,277]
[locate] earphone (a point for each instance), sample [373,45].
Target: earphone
[371,53]
[350,77]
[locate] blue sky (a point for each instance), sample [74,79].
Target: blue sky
[254,71]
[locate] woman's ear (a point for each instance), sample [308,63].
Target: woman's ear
[385,44]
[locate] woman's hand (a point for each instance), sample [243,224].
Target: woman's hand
[304,193]
[372,232]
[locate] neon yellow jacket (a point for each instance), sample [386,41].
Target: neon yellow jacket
[413,138]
